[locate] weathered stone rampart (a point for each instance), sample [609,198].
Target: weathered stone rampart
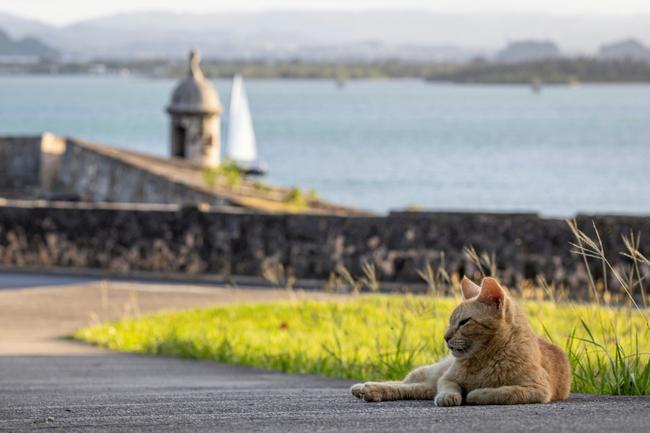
[229,242]
[29,165]
[47,166]
[102,174]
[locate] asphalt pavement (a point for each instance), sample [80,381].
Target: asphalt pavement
[125,393]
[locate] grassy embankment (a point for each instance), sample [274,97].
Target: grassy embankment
[383,337]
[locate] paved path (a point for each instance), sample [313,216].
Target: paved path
[36,311]
[12,280]
[119,392]
[71,387]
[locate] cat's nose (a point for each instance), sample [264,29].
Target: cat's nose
[448,337]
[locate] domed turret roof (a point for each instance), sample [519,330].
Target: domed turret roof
[195,94]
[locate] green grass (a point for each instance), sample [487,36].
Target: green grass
[380,337]
[228,171]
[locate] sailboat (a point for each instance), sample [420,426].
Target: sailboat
[241,144]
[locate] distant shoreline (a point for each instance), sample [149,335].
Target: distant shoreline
[561,71]
[352,80]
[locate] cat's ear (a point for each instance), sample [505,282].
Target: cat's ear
[492,293]
[469,289]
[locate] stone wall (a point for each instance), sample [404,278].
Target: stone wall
[20,163]
[46,165]
[29,164]
[101,174]
[55,168]
[229,242]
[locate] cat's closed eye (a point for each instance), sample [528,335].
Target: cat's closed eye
[464,321]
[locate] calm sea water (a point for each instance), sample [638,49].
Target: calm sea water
[388,144]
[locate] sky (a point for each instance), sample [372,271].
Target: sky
[61,12]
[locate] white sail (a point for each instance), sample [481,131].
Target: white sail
[241,136]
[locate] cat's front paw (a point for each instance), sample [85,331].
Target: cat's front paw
[448,399]
[357,390]
[366,391]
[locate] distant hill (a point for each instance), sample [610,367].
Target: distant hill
[526,51]
[631,49]
[331,35]
[29,47]
[287,34]
[18,27]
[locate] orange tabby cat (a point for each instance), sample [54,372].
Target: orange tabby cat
[496,358]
